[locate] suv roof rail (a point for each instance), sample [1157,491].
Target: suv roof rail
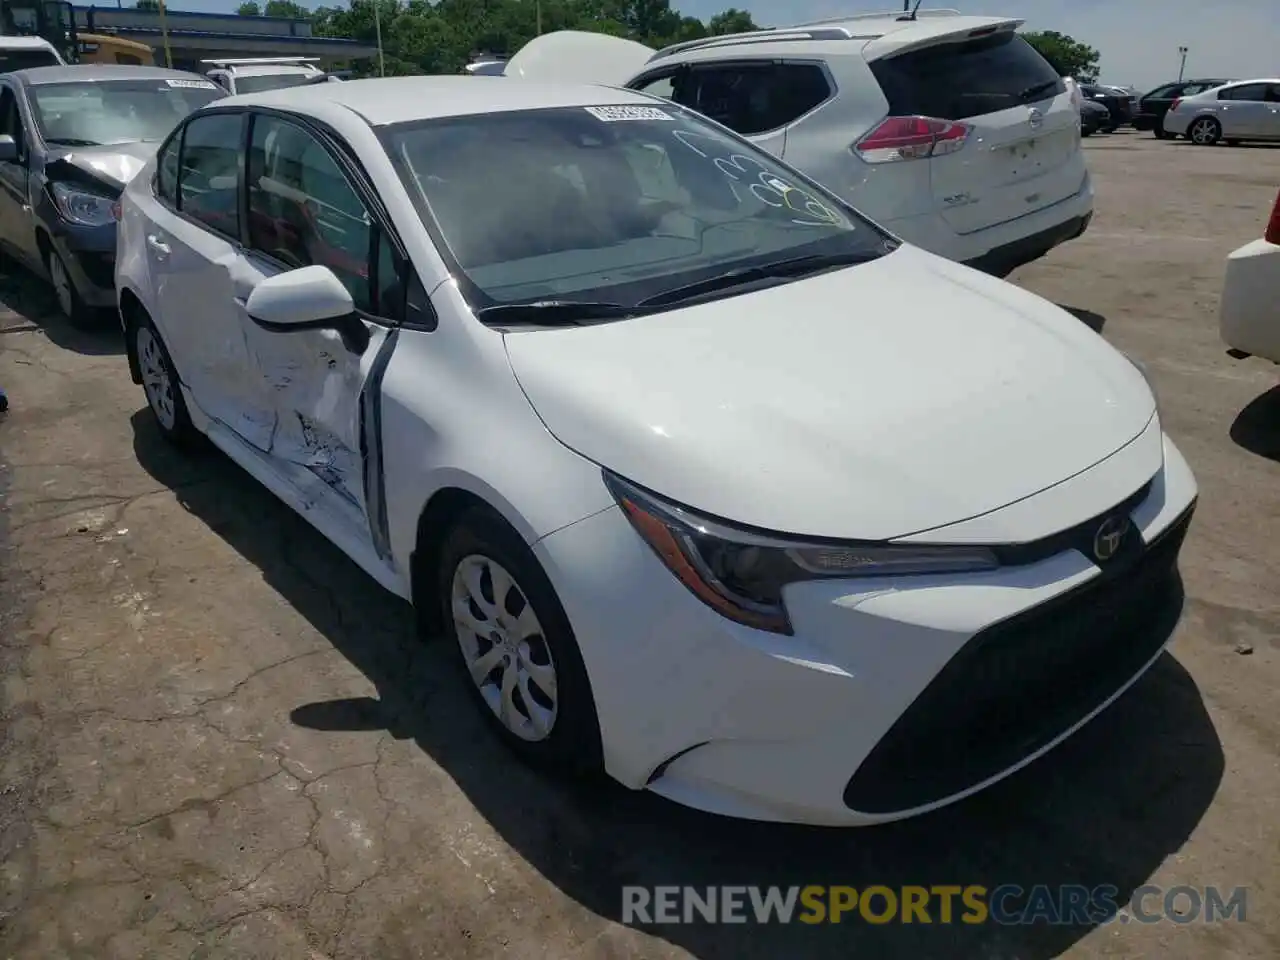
[884,15]
[763,35]
[260,61]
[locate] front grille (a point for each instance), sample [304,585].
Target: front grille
[1018,685]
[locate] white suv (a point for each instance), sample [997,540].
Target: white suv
[950,131]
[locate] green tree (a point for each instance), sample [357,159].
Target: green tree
[732,20]
[1065,54]
[249,9]
[286,9]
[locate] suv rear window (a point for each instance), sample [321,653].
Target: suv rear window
[25,59]
[954,81]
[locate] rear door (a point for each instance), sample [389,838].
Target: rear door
[1271,123]
[1023,150]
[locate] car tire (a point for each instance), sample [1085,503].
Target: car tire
[1111,129]
[1204,131]
[1160,132]
[161,385]
[1232,143]
[70,303]
[536,694]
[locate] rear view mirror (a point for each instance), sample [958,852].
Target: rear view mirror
[309,298]
[8,149]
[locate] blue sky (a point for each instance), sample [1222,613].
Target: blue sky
[1139,39]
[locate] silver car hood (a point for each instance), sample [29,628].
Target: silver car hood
[112,165]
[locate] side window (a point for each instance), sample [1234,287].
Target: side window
[1169,90]
[167,170]
[659,87]
[209,172]
[751,99]
[1248,91]
[1273,93]
[303,210]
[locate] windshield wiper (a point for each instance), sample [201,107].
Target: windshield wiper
[1035,88]
[791,268]
[71,142]
[555,313]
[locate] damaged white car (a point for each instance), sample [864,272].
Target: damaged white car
[712,484]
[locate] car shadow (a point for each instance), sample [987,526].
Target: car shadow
[1105,808]
[31,305]
[1094,321]
[1256,428]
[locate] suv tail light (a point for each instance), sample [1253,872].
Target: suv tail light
[1273,225]
[911,138]
[1174,106]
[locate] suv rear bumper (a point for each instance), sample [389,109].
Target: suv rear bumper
[1001,248]
[1002,261]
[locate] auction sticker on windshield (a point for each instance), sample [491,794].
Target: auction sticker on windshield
[193,84]
[614,114]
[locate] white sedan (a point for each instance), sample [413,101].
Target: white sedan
[713,484]
[1249,312]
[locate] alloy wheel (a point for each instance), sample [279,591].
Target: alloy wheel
[1204,132]
[156,380]
[504,648]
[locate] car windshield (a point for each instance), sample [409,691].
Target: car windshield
[100,112]
[271,81]
[619,204]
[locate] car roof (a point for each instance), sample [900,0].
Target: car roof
[24,43]
[270,69]
[390,100]
[877,34]
[98,72]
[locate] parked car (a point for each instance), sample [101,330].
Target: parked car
[1153,106]
[1121,104]
[71,137]
[950,131]
[255,74]
[1235,112]
[1248,318]
[19,53]
[1093,117]
[708,480]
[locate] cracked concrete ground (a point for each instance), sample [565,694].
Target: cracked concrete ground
[218,738]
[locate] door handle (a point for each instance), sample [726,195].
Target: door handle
[159,246]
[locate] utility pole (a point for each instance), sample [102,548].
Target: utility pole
[537,5]
[377,26]
[1183,66]
[164,32]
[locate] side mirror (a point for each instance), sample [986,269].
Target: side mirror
[8,149]
[309,298]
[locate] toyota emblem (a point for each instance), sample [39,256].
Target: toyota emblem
[1035,118]
[1109,536]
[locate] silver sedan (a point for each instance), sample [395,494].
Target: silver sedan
[1243,110]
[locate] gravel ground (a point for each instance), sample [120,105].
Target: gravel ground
[219,739]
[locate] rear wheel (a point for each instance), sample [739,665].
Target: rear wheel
[160,384]
[1205,132]
[1159,130]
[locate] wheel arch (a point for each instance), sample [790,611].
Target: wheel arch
[131,311]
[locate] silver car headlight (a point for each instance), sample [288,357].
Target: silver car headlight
[741,573]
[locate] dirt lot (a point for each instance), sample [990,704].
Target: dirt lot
[219,739]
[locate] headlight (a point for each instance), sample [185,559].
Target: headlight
[741,573]
[82,207]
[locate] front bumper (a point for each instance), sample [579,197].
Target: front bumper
[90,256]
[894,696]
[1249,312]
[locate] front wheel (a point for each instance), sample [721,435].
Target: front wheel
[70,302]
[160,384]
[1205,132]
[517,652]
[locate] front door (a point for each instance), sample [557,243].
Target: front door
[192,244]
[17,228]
[1243,110]
[304,210]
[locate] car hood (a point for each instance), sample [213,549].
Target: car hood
[113,165]
[577,56]
[873,402]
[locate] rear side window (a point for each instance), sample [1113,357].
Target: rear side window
[209,174]
[954,81]
[1247,91]
[751,98]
